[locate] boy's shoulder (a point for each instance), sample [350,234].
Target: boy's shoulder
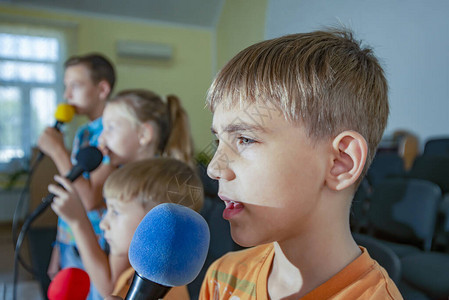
[363,278]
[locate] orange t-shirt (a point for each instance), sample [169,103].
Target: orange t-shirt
[243,275]
[124,282]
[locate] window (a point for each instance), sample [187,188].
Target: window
[30,86]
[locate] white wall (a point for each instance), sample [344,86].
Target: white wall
[411,39]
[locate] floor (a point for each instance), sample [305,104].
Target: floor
[27,288]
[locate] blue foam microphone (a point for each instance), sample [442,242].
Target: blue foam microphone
[168,249]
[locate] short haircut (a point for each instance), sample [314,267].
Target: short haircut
[99,66]
[323,80]
[160,180]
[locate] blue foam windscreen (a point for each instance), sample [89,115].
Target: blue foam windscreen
[170,245]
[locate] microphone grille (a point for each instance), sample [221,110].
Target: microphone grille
[89,158]
[64,113]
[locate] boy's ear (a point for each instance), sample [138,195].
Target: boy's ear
[349,150]
[104,89]
[146,133]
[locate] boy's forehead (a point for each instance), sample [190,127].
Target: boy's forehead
[253,117]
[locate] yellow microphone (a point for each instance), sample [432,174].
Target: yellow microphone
[64,113]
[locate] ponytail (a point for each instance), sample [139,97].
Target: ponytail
[170,120]
[179,143]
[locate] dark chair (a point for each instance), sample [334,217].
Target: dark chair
[436,146]
[429,272]
[382,254]
[404,211]
[434,168]
[385,165]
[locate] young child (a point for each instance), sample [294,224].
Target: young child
[88,80]
[298,119]
[130,192]
[137,125]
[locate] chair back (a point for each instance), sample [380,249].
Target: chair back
[434,168]
[405,210]
[385,165]
[436,146]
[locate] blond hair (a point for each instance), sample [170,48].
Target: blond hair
[156,180]
[170,120]
[324,80]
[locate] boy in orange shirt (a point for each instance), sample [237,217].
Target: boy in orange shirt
[298,119]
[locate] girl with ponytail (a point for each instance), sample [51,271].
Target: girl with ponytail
[138,124]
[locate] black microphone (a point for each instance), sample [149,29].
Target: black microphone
[88,159]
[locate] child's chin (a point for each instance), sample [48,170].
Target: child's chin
[243,240]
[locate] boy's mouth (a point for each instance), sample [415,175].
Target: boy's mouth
[232,208]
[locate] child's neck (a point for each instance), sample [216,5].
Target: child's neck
[96,113]
[301,265]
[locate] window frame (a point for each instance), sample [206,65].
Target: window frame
[25,87]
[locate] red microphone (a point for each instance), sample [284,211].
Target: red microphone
[69,284]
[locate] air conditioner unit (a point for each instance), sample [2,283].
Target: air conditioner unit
[145,50]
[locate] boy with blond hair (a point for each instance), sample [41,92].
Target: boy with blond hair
[298,119]
[131,192]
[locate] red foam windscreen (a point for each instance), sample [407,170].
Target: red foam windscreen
[69,284]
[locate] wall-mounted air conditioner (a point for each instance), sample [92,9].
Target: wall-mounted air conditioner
[144,50]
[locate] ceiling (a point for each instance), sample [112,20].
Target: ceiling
[198,13]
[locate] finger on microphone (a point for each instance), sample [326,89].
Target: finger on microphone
[64,182]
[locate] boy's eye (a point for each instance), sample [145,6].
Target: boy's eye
[114,212]
[245,140]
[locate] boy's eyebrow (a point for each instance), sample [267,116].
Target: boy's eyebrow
[240,127]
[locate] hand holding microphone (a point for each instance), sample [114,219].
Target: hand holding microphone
[89,159]
[168,249]
[68,204]
[52,135]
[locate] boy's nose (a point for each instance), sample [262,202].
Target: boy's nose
[67,94]
[104,225]
[220,167]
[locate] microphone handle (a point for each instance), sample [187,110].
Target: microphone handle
[144,289]
[58,125]
[74,173]
[41,154]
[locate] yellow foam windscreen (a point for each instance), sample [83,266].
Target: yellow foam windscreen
[64,113]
